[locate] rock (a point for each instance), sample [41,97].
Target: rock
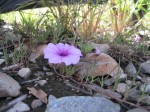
[145,88]
[128,82]
[82,104]
[19,107]
[121,88]
[45,68]
[33,56]
[104,48]
[145,67]
[51,98]
[130,69]
[39,73]
[138,83]
[137,110]
[36,103]
[49,73]
[146,80]
[138,78]
[2,61]
[8,86]
[109,81]
[121,77]
[24,72]
[41,82]
[1,53]
[99,65]
[135,95]
[9,67]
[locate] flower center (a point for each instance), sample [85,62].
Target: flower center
[63,53]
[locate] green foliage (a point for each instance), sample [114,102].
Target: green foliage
[18,54]
[68,71]
[6,56]
[85,47]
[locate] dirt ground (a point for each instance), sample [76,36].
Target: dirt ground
[54,86]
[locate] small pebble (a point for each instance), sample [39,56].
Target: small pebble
[41,82]
[2,61]
[36,103]
[49,73]
[109,82]
[1,53]
[39,73]
[121,88]
[121,77]
[45,68]
[24,72]
[145,88]
[130,69]
[145,67]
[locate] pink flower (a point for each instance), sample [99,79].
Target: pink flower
[138,38]
[62,53]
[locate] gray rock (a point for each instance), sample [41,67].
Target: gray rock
[121,77]
[9,67]
[145,88]
[36,103]
[145,67]
[109,82]
[138,78]
[130,69]
[2,61]
[1,53]
[19,107]
[137,110]
[135,95]
[41,82]
[45,68]
[32,57]
[128,82]
[49,73]
[82,104]
[146,80]
[39,73]
[8,86]
[51,98]
[24,72]
[104,48]
[121,88]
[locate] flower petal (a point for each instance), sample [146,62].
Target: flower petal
[55,60]
[66,60]
[51,48]
[62,53]
[71,59]
[60,46]
[75,51]
[74,58]
[49,55]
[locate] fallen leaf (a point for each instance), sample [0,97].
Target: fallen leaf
[40,94]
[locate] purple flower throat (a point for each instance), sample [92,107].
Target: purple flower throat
[63,53]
